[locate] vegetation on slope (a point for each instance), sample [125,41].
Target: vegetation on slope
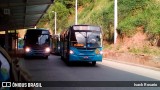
[131,14]
[135,13]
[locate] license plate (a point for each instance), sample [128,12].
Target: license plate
[86,57]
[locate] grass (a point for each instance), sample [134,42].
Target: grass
[145,50]
[133,13]
[98,12]
[107,46]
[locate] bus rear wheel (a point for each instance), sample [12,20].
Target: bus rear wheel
[94,63]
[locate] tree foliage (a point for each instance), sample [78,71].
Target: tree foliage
[63,8]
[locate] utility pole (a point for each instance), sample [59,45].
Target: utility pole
[115,21]
[76,12]
[55,21]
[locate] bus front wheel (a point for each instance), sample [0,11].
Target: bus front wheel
[94,63]
[62,57]
[45,57]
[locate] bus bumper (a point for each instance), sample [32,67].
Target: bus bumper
[37,54]
[85,58]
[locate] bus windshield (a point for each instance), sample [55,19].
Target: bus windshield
[37,39]
[86,39]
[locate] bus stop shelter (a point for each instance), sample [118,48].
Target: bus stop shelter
[20,14]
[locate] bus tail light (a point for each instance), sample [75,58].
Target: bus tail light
[47,50]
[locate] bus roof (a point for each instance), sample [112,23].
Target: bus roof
[86,27]
[37,31]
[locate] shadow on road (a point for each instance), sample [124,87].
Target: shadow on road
[79,64]
[35,58]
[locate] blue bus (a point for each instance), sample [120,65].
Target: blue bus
[37,43]
[81,43]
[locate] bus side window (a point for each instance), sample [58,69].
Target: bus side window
[73,39]
[47,40]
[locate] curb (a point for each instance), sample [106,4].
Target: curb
[133,64]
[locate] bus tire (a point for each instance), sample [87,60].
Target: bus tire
[46,57]
[26,57]
[68,63]
[93,63]
[62,57]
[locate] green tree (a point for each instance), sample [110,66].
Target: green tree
[62,16]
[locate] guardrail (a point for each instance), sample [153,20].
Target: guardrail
[20,75]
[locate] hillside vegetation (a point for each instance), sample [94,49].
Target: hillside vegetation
[131,14]
[136,13]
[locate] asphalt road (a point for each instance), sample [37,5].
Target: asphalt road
[54,69]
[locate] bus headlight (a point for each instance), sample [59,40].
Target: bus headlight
[59,48]
[27,49]
[101,52]
[97,51]
[71,52]
[47,50]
